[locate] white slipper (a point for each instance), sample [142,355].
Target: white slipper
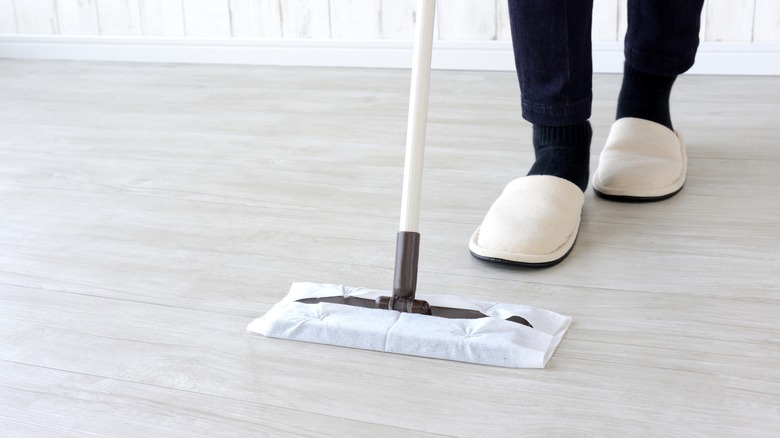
[534,222]
[641,161]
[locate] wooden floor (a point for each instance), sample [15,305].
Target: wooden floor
[149,212]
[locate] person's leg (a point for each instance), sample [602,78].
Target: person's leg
[552,48]
[536,219]
[660,44]
[644,159]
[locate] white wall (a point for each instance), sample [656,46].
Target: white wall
[733,26]
[724,20]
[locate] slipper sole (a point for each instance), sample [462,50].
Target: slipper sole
[635,199]
[522,263]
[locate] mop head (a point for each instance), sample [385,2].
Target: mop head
[487,341]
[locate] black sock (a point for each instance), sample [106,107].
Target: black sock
[563,151]
[645,96]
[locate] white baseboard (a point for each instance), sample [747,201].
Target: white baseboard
[713,58]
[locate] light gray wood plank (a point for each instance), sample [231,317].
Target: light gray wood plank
[337,196]
[32,394]
[662,349]
[144,225]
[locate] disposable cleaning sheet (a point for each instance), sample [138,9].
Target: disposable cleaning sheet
[487,341]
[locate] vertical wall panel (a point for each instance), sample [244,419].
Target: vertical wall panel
[467,19]
[77,17]
[162,17]
[729,20]
[605,19]
[622,24]
[355,18]
[503,30]
[398,18]
[207,18]
[256,18]
[703,22]
[269,15]
[305,19]
[36,16]
[7,17]
[767,21]
[242,20]
[119,17]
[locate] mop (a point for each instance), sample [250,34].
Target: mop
[435,326]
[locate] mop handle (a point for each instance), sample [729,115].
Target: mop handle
[418,116]
[407,247]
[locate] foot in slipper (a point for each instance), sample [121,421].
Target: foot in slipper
[641,161]
[534,222]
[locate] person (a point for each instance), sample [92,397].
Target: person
[535,220]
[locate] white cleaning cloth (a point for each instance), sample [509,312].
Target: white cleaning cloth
[487,341]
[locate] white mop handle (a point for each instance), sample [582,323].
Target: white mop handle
[418,116]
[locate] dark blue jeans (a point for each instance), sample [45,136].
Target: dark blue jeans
[552,46]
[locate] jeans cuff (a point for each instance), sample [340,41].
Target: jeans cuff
[660,65]
[562,114]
